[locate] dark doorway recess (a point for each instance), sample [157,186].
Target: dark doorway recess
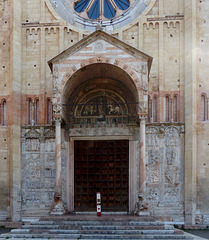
[102,166]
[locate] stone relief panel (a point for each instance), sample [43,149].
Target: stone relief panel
[165,170]
[38,169]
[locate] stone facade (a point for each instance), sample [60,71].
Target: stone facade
[158,60]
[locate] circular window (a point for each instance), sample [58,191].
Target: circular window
[101,9]
[110,14]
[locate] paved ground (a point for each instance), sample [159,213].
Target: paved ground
[200,233]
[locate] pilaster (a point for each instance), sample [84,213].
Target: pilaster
[190,111]
[15,108]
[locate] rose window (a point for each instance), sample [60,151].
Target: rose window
[111,14]
[101,9]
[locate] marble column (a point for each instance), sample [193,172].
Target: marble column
[142,206]
[58,207]
[142,159]
[58,157]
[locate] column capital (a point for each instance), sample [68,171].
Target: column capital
[58,120]
[142,117]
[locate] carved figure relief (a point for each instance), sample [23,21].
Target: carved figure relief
[172,175]
[153,169]
[152,138]
[50,145]
[172,136]
[38,168]
[101,106]
[164,167]
[170,156]
[32,145]
[154,176]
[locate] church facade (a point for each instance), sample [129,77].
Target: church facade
[104,96]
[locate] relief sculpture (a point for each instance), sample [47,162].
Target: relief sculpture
[152,138]
[172,136]
[170,156]
[172,175]
[153,168]
[32,145]
[164,167]
[38,168]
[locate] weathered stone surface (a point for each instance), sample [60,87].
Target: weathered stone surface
[165,171]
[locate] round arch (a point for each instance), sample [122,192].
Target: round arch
[94,75]
[135,81]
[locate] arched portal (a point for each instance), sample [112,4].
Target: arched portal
[100,111]
[100,93]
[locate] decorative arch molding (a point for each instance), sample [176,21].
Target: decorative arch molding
[139,79]
[99,59]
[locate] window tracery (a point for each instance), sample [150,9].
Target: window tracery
[101,8]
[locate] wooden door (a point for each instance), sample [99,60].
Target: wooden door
[101,166]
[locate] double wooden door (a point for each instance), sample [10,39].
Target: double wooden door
[101,166]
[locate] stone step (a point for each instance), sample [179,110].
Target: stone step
[92,231]
[99,227]
[100,222]
[94,236]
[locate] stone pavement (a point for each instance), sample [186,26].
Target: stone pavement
[198,234]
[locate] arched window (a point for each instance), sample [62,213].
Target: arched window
[149,109]
[4,108]
[30,112]
[154,103]
[204,109]
[48,111]
[175,108]
[167,108]
[36,112]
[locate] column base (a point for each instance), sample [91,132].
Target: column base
[143,213]
[142,206]
[57,206]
